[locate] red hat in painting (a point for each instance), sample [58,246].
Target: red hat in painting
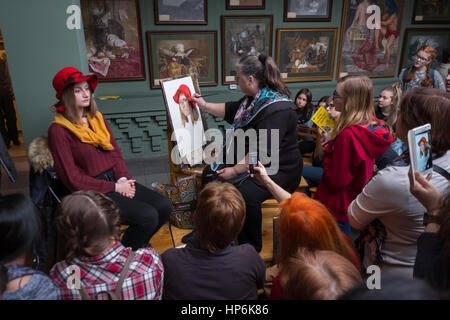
[184,89]
[422,140]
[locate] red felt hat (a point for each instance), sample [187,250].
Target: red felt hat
[184,89]
[70,75]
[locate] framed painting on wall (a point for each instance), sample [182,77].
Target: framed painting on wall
[306,54]
[438,38]
[181,11]
[245,4]
[241,36]
[307,10]
[366,48]
[431,12]
[112,30]
[176,53]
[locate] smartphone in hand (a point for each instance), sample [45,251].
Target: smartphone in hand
[419,144]
[253,161]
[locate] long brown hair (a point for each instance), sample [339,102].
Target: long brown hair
[265,71]
[357,93]
[88,220]
[68,101]
[428,81]
[420,106]
[395,105]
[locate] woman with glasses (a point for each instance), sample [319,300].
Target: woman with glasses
[349,154]
[420,74]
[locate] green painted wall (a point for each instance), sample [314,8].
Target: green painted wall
[38,44]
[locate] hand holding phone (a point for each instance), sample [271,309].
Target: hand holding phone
[419,144]
[253,161]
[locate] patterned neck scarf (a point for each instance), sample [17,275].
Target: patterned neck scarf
[263,98]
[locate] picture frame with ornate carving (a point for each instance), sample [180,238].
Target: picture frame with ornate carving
[177,53]
[306,10]
[112,31]
[364,47]
[431,12]
[181,11]
[306,54]
[243,35]
[245,4]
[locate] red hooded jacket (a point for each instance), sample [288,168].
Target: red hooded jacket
[348,164]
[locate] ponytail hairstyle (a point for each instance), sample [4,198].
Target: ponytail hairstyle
[309,106]
[428,81]
[357,95]
[88,220]
[265,71]
[395,106]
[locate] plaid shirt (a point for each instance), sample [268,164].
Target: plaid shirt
[144,279]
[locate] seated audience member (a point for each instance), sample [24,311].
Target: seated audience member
[313,174]
[318,275]
[89,222]
[421,74]
[386,196]
[19,227]
[387,110]
[388,105]
[349,154]
[87,157]
[433,246]
[210,266]
[305,110]
[394,286]
[304,223]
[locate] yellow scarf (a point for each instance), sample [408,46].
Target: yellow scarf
[98,136]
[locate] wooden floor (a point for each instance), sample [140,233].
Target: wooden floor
[161,241]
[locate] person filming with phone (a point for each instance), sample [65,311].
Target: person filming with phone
[265,108]
[387,196]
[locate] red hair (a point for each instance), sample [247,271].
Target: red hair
[428,81]
[306,223]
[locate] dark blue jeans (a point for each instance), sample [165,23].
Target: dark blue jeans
[144,214]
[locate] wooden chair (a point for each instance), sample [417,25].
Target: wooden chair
[313,133]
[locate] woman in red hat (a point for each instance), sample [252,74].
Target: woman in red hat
[87,157]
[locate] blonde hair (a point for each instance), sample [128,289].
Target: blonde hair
[357,93]
[68,101]
[395,105]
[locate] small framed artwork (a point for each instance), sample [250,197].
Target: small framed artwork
[306,54]
[245,4]
[366,48]
[112,30]
[184,117]
[431,12]
[177,53]
[438,38]
[307,10]
[241,36]
[181,11]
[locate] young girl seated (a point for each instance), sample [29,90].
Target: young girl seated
[19,227]
[89,222]
[210,266]
[305,111]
